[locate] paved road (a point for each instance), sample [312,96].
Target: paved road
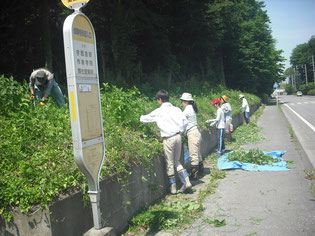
[300,112]
[264,203]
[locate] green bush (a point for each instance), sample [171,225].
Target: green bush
[311,92]
[306,88]
[36,158]
[11,95]
[290,89]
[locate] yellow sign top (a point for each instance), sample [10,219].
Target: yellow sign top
[82,30]
[74,4]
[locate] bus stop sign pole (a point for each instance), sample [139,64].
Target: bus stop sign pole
[84,100]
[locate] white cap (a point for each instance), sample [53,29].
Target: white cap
[241,96]
[187,97]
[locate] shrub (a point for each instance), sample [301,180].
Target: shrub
[36,158]
[311,92]
[290,89]
[305,88]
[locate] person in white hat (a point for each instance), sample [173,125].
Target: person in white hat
[171,122]
[193,134]
[42,84]
[245,108]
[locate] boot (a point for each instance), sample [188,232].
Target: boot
[184,178]
[194,172]
[172,184]
[201,167]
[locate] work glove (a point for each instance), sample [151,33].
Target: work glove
[209,121]
[212,124]
[32,97]
[42,102]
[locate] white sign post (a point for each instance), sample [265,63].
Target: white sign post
[84,100]
[276,86]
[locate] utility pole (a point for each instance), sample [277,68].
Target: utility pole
[313,67]
[291,78]
[294,77]
[305,74]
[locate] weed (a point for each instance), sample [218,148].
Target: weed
[36,158]
[254,156]
[165,215]
[280,107]
[203,193]
[312,188]
[246,134]
[310,174]
[256,221]
[258,113]
[215,222]
[217,174]
[291,132]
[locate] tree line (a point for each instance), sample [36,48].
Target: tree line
[149,43]
[302,62]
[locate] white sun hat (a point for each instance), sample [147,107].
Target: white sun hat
[241,96]
[187,97]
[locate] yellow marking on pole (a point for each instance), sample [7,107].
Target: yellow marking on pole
[72,106]
[68,3]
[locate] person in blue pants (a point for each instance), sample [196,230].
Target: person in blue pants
[220,123]
[42,84]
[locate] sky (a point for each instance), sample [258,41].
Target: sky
[292,23]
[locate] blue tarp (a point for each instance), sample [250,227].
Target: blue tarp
[225,164]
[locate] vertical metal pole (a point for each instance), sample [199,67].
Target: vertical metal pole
[95,201]
[305,74]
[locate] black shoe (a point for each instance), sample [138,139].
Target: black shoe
[194,172]
[201,167]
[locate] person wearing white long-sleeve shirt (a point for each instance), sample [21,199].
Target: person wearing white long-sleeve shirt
[193,134]
[219,121]
[245,108]
[171,122]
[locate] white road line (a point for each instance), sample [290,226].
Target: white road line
[299,103]
[305,121]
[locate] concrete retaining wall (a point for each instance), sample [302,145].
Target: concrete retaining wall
[69,217]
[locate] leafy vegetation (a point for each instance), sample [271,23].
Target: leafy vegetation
[166,215]
[247,134]
[177,211]
[36,158]
[290,89]
[253,156]
[215,222]
[302,67]
[308,89]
